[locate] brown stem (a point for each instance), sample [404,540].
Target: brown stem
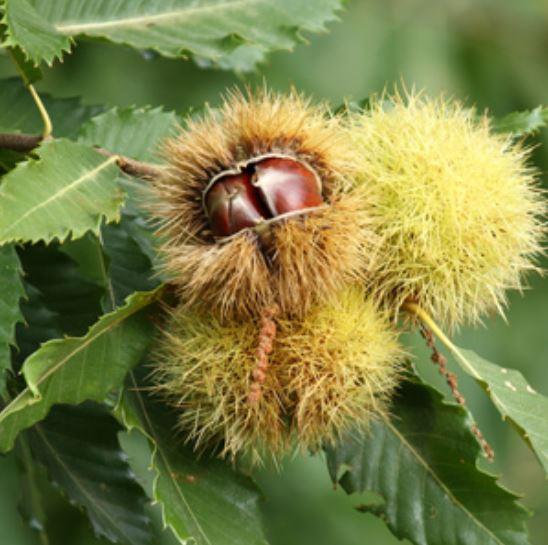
[19,142]
[451,379]
[267,334]
[25,143]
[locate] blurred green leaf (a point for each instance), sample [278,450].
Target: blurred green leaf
[423,463]
[514,398]
[76,369]
[67,191]
[11,292]
[211,30]
[19,113]
[79,447]
[202,499]
[522,123]
[32,32]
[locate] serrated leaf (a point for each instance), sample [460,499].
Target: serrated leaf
[137,133]
[522,123]
[76,369]
[514,398]
[209,29]
[28,29]
[67,191]
[423,463]
[79,447]
[11,292]
[28,71]
[201,499]
[19,113]
[133,132]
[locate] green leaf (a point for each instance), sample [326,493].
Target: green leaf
[204,498]
[19,113]
[423,463]
[11,292]
[129,268]
[63,288]
[209,29]
[137,133]
[68,190]
[31,502]
[28,72]
[514,398]
[133,132]
[79,447]
[522,123]
[32,32]
[76,369]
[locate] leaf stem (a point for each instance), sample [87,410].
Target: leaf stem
[48,127]
[428,328]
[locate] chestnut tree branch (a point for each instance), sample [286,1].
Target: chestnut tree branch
[25,143]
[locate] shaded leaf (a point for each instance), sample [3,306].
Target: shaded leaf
[11,292]
[63,288]
[68,190]
[204,498]
[129,268]
[27,28]
[209,29]
[31,501]
[423,463]
[79,447]
[514,398]
[76,369]
[522,123]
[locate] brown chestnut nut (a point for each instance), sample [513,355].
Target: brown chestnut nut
[263,190]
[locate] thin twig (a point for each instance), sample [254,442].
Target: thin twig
[25,143]
[19,142]
[267,334]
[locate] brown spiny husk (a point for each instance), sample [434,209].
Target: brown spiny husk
[303,259]
[332,369]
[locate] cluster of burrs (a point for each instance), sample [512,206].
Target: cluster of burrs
[293,237]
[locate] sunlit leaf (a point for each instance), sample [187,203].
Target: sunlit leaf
[68,190]
[211,29]
[514,398]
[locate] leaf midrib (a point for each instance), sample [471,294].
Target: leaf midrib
[172,17]
[157,450]
[59,194]
[8,409]
[441,484]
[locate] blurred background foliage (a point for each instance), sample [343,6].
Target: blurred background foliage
[491,53]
